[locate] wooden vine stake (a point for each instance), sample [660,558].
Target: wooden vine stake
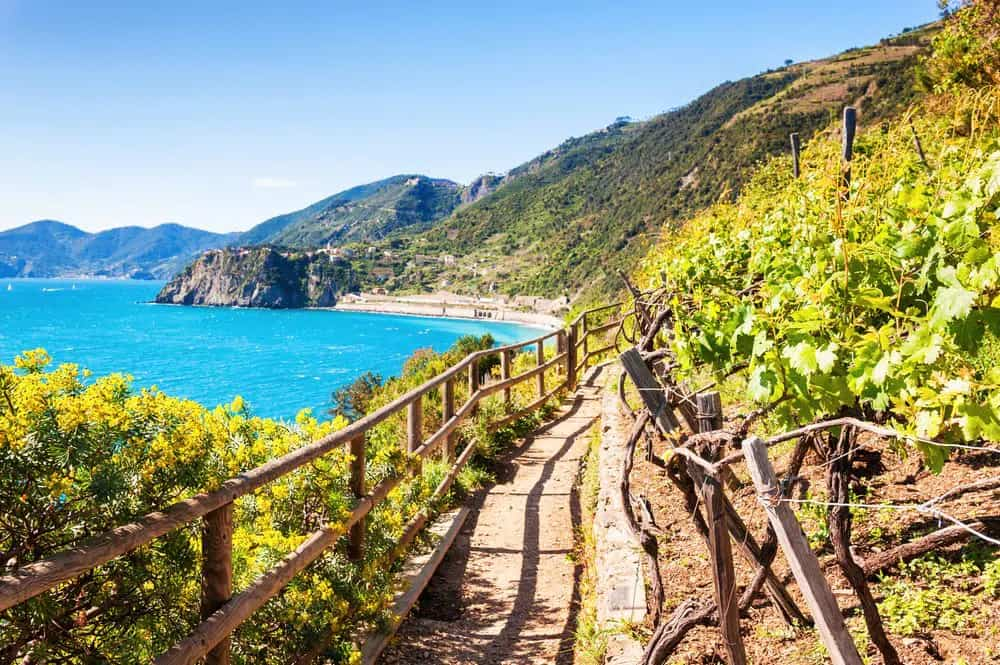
[794,137]
[804,564]
[850,128]
[723,573]
[918,146]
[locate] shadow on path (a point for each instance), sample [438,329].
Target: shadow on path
[465,617]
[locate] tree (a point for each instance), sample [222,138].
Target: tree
[351,401]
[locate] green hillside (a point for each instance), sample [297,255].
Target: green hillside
[880,297]
[364,213]
[568,220]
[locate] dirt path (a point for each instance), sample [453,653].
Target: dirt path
[507,590]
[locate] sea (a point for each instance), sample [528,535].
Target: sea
[278,361]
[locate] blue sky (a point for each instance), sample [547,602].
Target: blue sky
[221,114]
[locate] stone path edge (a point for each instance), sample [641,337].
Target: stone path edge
[621,588]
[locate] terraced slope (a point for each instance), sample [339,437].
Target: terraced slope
[568,220]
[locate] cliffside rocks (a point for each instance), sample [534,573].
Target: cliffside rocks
[479,188]
[260,277]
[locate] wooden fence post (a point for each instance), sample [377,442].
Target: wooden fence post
[563,340]
[583,333]
[723,573]
[473,383]
[415,427]
[217,572]
[850,127]
[571,358]
[540,358]
[356,542]
[804,564]
[447,413]
[794,137]
[504,375]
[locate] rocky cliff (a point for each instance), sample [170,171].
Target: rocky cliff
[260,277]
[479,188]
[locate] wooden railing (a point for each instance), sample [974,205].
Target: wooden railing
[221,611]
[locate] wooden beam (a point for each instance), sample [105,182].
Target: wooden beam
[241,607]
[650,391]
[421,570]
[805,567]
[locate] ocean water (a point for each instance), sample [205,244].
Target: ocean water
[279,361]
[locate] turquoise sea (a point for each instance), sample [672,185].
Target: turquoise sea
[279,361]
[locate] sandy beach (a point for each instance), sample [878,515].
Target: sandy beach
[450,307]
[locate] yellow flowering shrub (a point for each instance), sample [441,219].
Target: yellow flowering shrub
[81,455]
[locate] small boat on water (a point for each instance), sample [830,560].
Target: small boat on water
[10,287]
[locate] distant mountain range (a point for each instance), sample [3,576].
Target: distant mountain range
[52,249]
[365,213]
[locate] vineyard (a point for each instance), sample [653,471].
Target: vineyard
[840,320]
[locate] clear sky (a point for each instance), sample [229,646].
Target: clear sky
[221,114]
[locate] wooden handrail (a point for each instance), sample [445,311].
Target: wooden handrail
[37,577]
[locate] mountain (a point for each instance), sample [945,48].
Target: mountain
[364,213]
[568,220]
[49,248]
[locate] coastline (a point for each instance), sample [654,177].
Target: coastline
[536,320]
[449,310]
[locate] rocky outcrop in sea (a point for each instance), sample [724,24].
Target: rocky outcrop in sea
[261,277]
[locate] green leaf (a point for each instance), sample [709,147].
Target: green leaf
[762,384]
[978,420]
[826,358]
[935,456]
[950,303]
[873,299]
[802,357]
[761,344]
[881,370]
